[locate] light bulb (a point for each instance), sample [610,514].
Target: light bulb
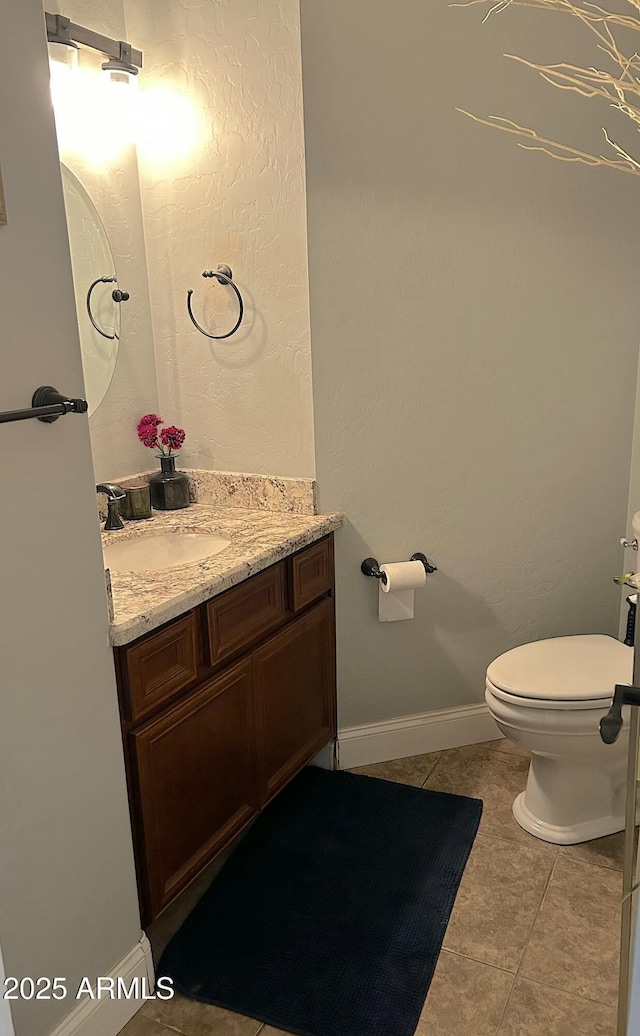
[63,62]
[122,94]
[120,78]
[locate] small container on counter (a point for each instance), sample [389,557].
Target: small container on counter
[137,501]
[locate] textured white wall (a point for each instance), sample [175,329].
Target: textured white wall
[112,183]
[68,902]
[475,347]
[236,196]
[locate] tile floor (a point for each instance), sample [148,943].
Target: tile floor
[532,944]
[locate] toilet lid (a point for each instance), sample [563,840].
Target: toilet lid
[564,669]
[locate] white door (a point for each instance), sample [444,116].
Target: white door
[633,1024]
[68,903]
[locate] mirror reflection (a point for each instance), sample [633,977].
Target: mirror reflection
[98,297]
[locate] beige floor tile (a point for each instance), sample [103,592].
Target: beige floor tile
[141,1025]
[465,997]
[504,744]
[537,1010]
[605,852]
[574,943]
[494,777]
[414,769]
[498,899]
[192,1018]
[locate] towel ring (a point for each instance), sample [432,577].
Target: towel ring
[116,295]
[223,275]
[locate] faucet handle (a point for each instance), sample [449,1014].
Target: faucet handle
[112,490]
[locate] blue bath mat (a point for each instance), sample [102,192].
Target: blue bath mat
[328,918]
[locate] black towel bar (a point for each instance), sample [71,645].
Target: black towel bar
[47,405]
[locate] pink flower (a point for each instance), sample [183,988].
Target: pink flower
[172,437]
[147,430]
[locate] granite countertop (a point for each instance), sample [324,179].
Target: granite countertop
[145,600]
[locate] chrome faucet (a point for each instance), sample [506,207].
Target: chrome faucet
[113,493]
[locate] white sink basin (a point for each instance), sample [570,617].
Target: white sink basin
[165,550]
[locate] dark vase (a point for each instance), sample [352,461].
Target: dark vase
[169,489]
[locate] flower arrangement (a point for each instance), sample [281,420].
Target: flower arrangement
[167,441]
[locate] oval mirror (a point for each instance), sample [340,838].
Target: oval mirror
[94,281]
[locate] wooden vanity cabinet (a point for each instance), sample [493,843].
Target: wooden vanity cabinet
[220,709]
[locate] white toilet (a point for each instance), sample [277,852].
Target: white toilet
[550,696]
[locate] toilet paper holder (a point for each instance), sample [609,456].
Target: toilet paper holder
[370,566]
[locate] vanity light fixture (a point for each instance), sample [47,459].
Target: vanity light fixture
[123,60]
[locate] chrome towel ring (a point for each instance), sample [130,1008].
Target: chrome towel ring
[224,275]
[116,295]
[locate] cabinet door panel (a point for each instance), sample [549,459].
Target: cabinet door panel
[311,573]
[196,784]
[160,665]
[246,613]
[294,676]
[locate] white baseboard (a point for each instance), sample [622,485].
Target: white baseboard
[106,1017]
[415,735]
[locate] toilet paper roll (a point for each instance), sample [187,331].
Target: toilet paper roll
[396,595]
[403,575]
[635,525]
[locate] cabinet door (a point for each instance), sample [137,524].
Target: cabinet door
[196,783]
[245,614]
[157,667]
[295,690]
[311,573]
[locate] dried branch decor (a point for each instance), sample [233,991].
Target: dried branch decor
[620,87]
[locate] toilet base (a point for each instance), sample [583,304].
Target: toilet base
[570,834]
[577,784]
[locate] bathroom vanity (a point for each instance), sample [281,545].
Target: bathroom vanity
[222,705]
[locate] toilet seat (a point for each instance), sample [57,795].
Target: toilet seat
[568,673]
